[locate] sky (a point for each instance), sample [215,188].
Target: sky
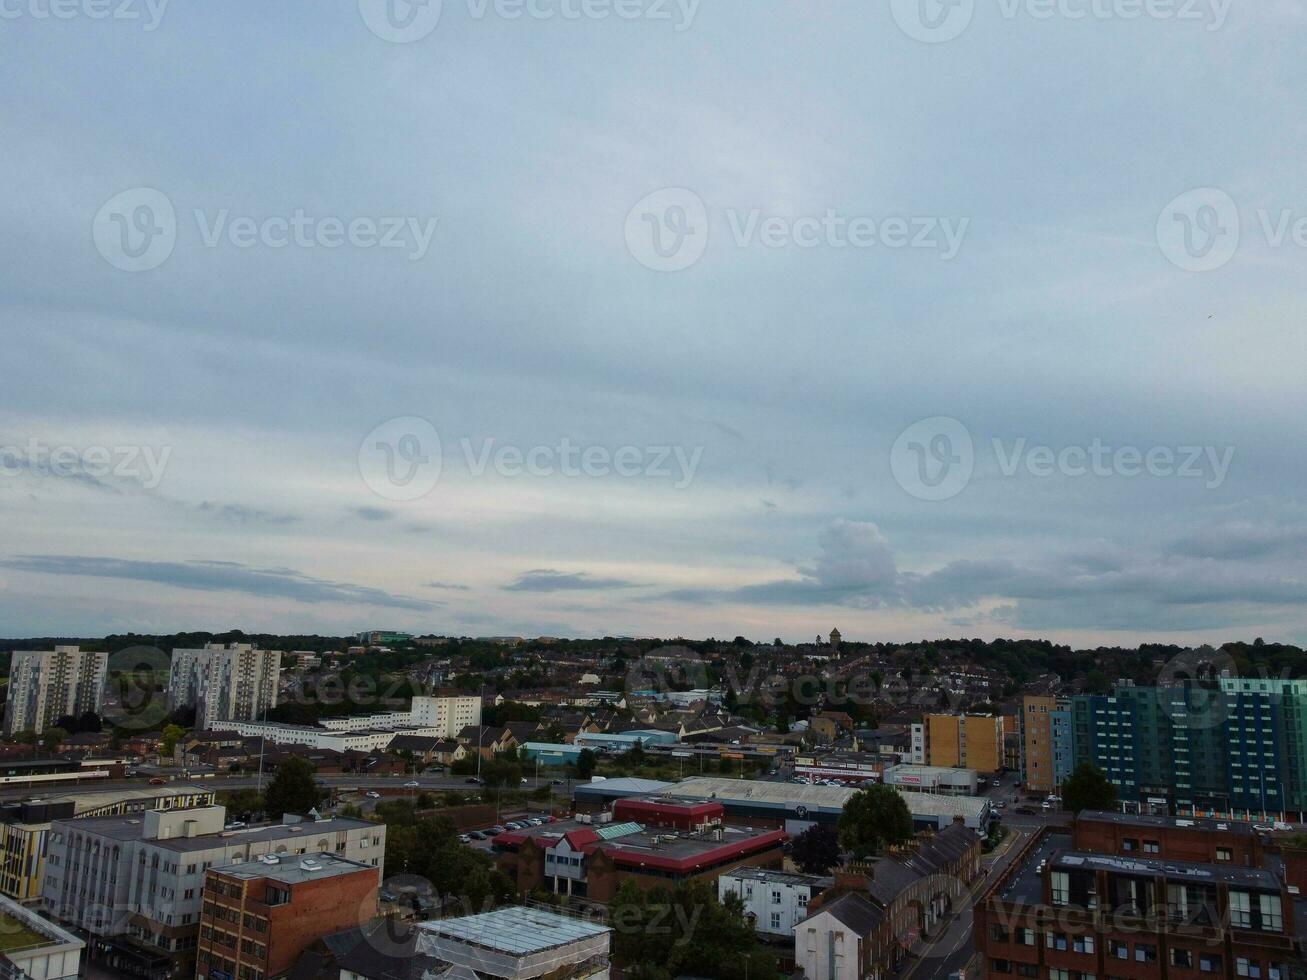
[652,317]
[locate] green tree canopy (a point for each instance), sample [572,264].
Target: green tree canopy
[816,850]
[293,789]
[874,818]
[1088,789]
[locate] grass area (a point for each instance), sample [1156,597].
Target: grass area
[15,935]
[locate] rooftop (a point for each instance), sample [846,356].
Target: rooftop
[1186,870]
[1162,820]
[766,793]
[517,930]
[129,827]
[294,869]
[631,843]
[768,875]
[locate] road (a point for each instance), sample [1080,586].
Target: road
[951,949]
[391,784]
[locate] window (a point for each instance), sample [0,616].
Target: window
[1241,916]
[1245,967]
[1058,975]
[1055,940]
[1209,963]
[1027,970]
[1061,887]
[1000,966]
[1083,944]
[1129,844]
[1152,847]
[1026,937]
[1272,915]
[775,920]
[1223,854]
[1118,949]
[1145,953]
[776,896]
[1182,957]
[999,934]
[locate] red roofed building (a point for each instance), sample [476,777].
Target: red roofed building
[674,842]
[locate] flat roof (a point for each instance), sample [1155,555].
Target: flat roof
[1186,870]
[1164,820]
[779,877]
[128,827]
[294,869]
[654,846]
[767,793]
[517,929]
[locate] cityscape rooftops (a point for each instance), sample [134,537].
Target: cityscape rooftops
[1229,874]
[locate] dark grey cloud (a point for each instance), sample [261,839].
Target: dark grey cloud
[1100,588]
[217,576]
[1240,540]
[452,586]
[372,513]
[549,580]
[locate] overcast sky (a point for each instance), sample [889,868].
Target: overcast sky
[746,317]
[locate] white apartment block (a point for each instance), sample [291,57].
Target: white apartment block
[142,875]
[918,753]
[442,716]
[775,901]
[233,683]
[45,685]
[315,737]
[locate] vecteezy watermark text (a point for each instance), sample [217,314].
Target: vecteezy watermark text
[145,464]
[402,459]
[934,459]
[137,230]
[406,21]
[938,21]
[669,230]
[149,13]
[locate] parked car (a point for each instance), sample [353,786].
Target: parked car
[412,784]
[473,781]
[535,821]
[996,782]
[387,896]
[372,794]
[158,781]
[477,835]
[496,829]
[514,825]
[464,839]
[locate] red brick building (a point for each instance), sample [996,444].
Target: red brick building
[1059,912]
[259,916]
[1170,838]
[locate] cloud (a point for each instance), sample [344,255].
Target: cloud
[217,576]
[1101,588]
[372,513]
[1240,540]
[453,586]
[241,514]
[549,580]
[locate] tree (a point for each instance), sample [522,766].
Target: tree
[873,818]
[659,934]
[172,734]
[1088,789]
[293,789]
[816,850]
[585,764]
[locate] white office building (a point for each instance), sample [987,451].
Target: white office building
[46,685]
[774,901]
[237,682]
[141,876]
